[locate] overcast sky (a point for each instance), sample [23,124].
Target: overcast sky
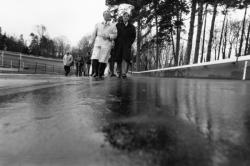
[70,18]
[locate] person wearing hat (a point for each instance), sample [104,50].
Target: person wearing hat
[67,62]
[125,38]
[102,41]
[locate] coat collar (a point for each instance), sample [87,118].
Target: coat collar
[106,23]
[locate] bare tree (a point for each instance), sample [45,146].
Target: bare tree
[191,32]
[204,34]
[41,30]
[233,35]
[224,46]
[209,48]
[62,45]
[225,12]
[198,37]
[215,42]
[247,40]
[243,30]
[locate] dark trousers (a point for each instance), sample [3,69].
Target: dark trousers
[79,69]
[67,70]
[112,66]
[95,67]
[102,67]
[122,68]
[98,68]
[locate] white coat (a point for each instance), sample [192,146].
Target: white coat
[103,39]
[67,60]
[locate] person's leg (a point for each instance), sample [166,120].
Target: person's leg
[95,67]
[95,60]
[112,62]
[77,69]
[119,62]
[111,67]
[88,69]
[65,70]
[102,67]
[68,69]
[119,69]
[124,68]
[128,66]
[104,57]
[80,70]
[84,69]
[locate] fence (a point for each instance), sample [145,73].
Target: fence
[30,64]
[233,68]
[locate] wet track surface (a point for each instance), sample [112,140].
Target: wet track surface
[137,121]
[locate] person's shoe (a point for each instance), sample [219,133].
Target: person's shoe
[124,76]
[119,76]
[94,75]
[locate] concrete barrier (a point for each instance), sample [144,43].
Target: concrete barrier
[223,69]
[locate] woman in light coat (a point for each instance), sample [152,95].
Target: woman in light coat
[103,41]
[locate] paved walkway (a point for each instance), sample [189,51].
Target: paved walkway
[58,121]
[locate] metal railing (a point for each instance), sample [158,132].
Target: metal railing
[30,64]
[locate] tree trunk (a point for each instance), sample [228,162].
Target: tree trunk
[230,50]
[157,39]
[191,32]
[209,48]
[204,34]
[222,30]
[242,33]
[138,54]
[247,40]
[225,42]
[178,40]
[215,51]
[155,5]
[236,47]
[198,37]
[173,46]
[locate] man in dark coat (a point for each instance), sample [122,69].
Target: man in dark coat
[125,38]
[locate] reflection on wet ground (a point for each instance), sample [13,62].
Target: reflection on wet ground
[137,121]
[185,121]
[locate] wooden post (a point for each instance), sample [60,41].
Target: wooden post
[36,67]
[2,55]
[20,59]
[245,71]
[19,65]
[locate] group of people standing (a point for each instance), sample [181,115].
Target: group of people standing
[111,43]
[82,64]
